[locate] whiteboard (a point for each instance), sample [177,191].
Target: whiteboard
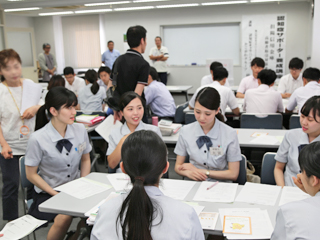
[193,44]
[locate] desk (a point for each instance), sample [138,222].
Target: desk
[244,137]
[180,89]
[65,204]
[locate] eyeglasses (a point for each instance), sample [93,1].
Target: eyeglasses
[295,70]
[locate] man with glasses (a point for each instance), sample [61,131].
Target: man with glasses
[293,80]
[47,62]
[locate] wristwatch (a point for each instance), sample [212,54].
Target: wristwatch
[207,173]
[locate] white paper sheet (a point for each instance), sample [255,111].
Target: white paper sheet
[208,220]
[176,189]
[20,227]
[291,194]
[82,188]
[106,126]
[260,222]
[256,193]
[265,139]
[196,207]
[222,192]
[120,181]
[30,96]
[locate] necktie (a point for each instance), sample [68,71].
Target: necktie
[301,146]
[204,140]
[64,143]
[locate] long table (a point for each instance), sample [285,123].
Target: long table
[65,204]
[179,89]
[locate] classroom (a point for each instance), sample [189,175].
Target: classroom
[196,33]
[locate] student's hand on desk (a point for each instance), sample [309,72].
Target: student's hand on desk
[297,181]
[6,152]
[286,95]
[30,112]
[192,172]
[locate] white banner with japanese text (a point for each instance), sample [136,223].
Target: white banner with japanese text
[264,36]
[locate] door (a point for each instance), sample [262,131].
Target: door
[22,41]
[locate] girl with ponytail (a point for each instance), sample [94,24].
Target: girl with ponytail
[145,213]
[91,96]
[212,146]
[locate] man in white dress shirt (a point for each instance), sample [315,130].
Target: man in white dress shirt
[208,79]
[293,80]
[249,82]
[263,99]
[311,88]
[73,83]
[159,55]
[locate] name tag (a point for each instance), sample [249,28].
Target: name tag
[216,151]
[82,147]
[24,137]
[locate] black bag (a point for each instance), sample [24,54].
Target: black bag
[113,97]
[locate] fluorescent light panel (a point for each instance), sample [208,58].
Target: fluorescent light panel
[105,3]
[223,3]
[253,1]
[21,9]
[56,13]
[133,8]
[143,1]
[178,5]
[94,11]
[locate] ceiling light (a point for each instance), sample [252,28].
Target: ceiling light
[21,9]
[56,13]
[223,3]
[266,1]
[178,5]
[94,11]
[105,3]
[140,1]
[133,8]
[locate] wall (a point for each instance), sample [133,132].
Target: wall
[298,17]
[15,21]
[315,55]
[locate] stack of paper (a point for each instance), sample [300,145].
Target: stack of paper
[176,189]
[222,192]
[20,227]
[266,140]
[256,193]
[291,194]
[82,188]
[120,181]
[89,120]
[245,223]
[208,220]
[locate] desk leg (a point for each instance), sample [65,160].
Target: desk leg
[186,92]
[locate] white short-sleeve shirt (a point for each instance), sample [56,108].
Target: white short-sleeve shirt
[221,136]
[247,83]
[302,94]
[227,97]
[298,220]
[263,99]
[90,101]
[54,167]
[179,222]
[288,84]
[77,84]
[208,80]
[160,66]
[288,153]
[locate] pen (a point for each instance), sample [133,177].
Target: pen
[208,188]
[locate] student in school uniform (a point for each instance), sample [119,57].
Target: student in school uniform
[55,81]
[212,146]
[293,80]
[145,213]
[249,82]
[54,155]
[158,97]
[132,109]
[300,219]
[15,128]
[73,83]
[263,99]
[104,77]
[294,140]
[92,95]
[311,87]
[226,94]
[208,79]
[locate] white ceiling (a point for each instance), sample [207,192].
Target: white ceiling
[76,5]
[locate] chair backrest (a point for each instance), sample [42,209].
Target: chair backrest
[242,177]
[179,116]
[294,122]
[25,183]
[267,168]
[190,118]
[266,121]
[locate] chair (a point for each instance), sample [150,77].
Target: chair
[265,121]
[25,184]
[190,118]
[179,116]
[242,177]
[267,168]
[294,122]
